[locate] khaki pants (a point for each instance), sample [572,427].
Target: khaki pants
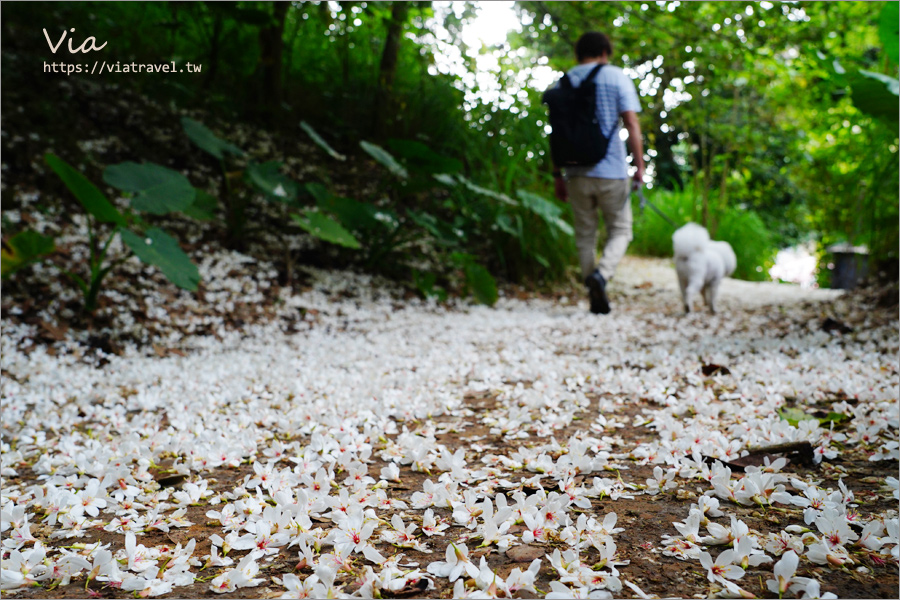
[611,197]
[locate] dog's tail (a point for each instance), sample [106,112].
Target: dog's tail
[728,257]
[689,239]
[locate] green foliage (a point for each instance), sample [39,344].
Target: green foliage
[267,178]
[156,247]
[738,107]
[751,242]
[478,280]
[743,229]
[325,228]
[207,141]
[549,212]
[24,248]
[319,141]
[794,416]
[889,29]
[157,190]
[379,231]
[422,159]
[384,158]
[92,199]
[876,95]
[652,234]
[426,283]
[203,208]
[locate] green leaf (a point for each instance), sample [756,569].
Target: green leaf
[359,216]
[486,192]
[505,223]
[157,189]
[203,207]
[426,283]
[269,180]
[318,191]
[794,415]
[158,248]
[876,95]
[320,141]
[446,179]
[25,248]
[834,417]
[91,198]
[889,29]
[207,141]
[384,157]
[444,233]
[420,158]
[546,210]
[325,228]
[482,284]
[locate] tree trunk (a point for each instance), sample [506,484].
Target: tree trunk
[383,117]
[271,43]
[213,52]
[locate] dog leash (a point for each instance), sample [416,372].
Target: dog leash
[645,202]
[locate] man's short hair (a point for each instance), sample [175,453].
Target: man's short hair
[592,44]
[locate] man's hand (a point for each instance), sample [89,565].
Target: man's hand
[638,180]
[559,187]
[635,145]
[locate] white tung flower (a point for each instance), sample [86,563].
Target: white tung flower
[722,568]
[456,564]
[784,573]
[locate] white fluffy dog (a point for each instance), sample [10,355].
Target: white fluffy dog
[701,264]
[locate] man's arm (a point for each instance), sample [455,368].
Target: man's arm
[635,144]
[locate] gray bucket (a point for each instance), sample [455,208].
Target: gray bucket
[851,265]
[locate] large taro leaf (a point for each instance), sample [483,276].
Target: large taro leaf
[318,191]
[889,29]
[444,233]
[474,187]
[422,159]
[23,249]
[268,179]
[157,189]
[208,141]
[384,157]
[320,142]
[158,248]
[91,198]
[478,279]
[204,206]
[876,95]
[325,228]
[482,284]
[358,216]
[546,210]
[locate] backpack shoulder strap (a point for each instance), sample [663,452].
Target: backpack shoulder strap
[591,75]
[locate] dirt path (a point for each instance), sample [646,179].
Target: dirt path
[598,434]
[657,274]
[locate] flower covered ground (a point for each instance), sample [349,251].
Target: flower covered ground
[351,441]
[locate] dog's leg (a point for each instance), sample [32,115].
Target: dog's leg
[709,295]
[689,291]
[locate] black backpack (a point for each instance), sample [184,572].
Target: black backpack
[576,139]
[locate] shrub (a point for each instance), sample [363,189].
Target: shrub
[743,229]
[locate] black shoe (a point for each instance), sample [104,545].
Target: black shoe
[596,285]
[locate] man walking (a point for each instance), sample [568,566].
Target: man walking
[603,186]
